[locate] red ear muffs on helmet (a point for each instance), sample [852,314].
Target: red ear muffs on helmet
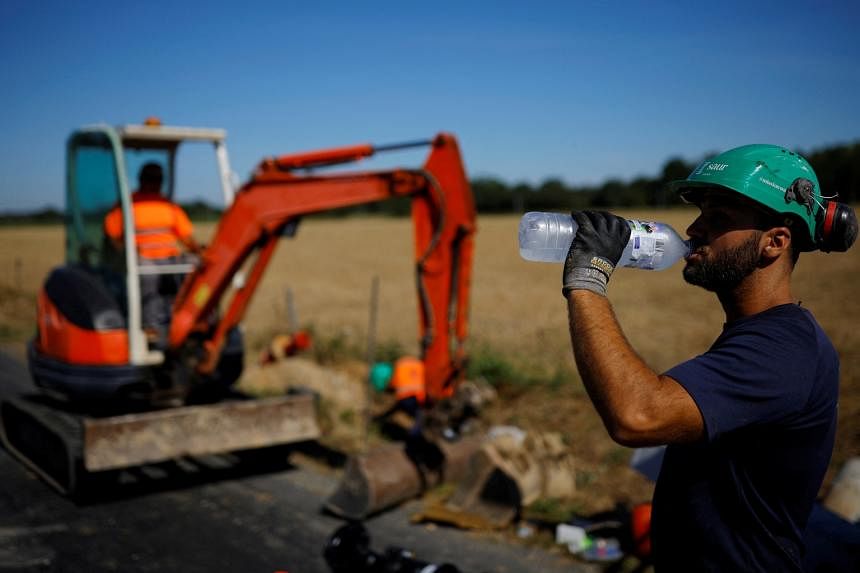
[837,227]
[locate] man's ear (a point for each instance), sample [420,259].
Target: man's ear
[776,241]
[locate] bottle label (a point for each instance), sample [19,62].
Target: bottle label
[645,243]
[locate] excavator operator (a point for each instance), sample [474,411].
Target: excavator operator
[162,229]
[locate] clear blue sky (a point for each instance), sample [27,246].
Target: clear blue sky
[583,91]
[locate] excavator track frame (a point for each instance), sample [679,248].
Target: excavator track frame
[67,449]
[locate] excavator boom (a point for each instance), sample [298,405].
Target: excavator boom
[276,197]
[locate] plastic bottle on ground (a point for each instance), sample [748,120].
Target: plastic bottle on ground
[546,237]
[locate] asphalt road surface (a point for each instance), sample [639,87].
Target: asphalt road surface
[218,515]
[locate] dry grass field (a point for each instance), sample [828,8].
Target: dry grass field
[517,317]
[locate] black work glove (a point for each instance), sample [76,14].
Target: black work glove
[596,249]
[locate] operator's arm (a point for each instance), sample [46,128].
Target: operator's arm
[192,245]
[637,406]
[184,229]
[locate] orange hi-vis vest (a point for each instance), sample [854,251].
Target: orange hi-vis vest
[408,379]
[159,225]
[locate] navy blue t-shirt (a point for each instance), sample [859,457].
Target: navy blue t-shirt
[739,499]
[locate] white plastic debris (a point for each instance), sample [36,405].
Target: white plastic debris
[572,536]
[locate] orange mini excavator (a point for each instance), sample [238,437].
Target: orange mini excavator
[111,398]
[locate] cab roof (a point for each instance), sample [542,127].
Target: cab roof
[137,133]
[152,136]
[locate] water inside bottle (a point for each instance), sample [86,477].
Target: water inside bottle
[545,237]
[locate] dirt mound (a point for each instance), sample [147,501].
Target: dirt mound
[341,393]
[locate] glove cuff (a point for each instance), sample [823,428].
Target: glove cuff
[594,278]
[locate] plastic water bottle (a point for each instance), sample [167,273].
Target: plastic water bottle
[546,237]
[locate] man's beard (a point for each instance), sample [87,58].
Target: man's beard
[725,271]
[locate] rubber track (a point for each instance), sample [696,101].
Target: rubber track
[48,441]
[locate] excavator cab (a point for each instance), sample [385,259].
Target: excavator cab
[90,308]
[109,400]
[102,167]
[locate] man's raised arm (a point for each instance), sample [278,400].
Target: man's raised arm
[638,407]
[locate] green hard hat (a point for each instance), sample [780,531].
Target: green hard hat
[773,176]
[380,375]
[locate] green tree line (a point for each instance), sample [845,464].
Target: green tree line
[837,167]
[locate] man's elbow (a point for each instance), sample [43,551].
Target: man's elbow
[640,430]
[634,430]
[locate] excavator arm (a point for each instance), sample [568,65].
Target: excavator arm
[277,196]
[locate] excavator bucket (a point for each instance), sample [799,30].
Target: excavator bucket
[509,472]
[374,481]
[386,476]
[62,446]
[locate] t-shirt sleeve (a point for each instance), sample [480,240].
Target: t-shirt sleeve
[755,376]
